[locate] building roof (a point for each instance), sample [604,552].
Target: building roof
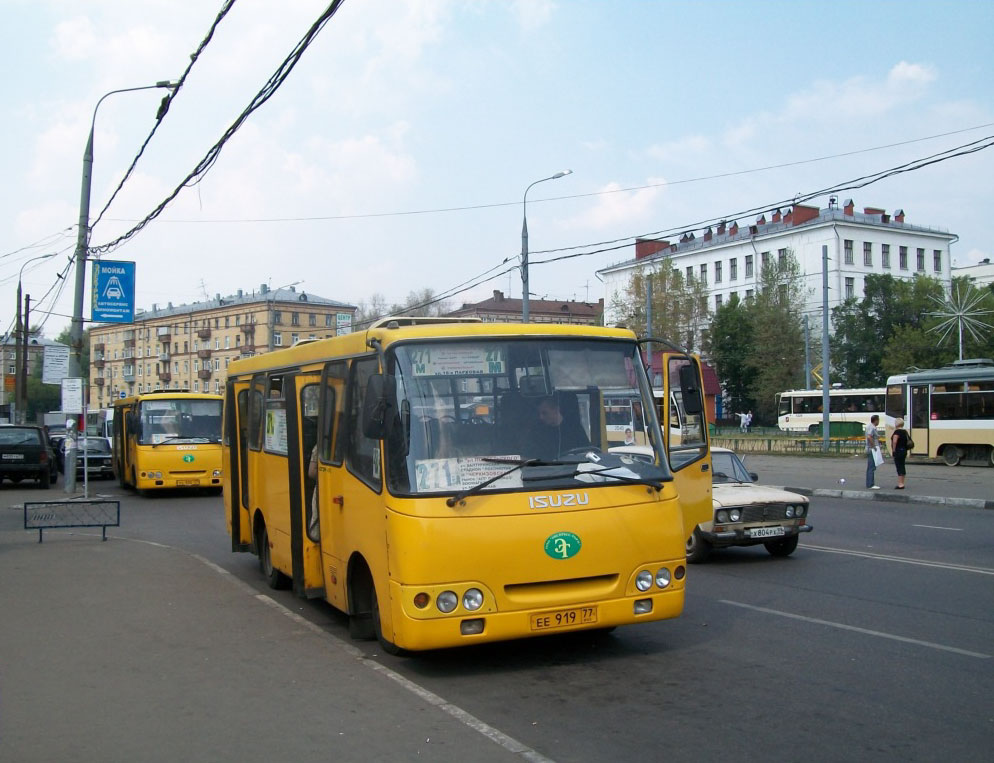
[265,295]
[772,223]
[498,303]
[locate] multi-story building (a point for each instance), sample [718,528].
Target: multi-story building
[729,258]
[190,346]
[8,365]
[500,309]
[981,274]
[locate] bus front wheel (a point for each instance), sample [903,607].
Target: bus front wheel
[951,455]
[273,576]
[385,644]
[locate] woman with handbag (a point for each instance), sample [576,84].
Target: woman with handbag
[900,444]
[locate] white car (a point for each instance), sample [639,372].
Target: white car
[747,514]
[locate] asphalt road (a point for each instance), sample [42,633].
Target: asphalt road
[874,640]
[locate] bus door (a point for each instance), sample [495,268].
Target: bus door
[302,437]
[331,481]
[685,429]
[918,417]
[233,463]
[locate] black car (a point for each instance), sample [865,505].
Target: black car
[92,454]
[26,454]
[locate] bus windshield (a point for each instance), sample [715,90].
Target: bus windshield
[177,421]
[516,414]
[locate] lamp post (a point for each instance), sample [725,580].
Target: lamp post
[83,235]
[524,242]
[21,349]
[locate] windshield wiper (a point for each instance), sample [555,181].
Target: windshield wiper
[657,484]
[463,494]
[173,438]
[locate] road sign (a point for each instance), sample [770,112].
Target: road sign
[56,364]
[113,299]
[72,395]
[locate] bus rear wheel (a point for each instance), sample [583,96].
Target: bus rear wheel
[951,455]
[273,576]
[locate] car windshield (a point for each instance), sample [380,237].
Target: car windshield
[726,467]
[509,414]
[14,436]
[173,420]
[96,446]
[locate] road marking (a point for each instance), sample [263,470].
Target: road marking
[854,629]
[936,527]
[902,560]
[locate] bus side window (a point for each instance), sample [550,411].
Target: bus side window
[256,401]
[362,453]
[332,412]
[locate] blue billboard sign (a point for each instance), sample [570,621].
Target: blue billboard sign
[113,292]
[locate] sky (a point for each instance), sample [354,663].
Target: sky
[396,154]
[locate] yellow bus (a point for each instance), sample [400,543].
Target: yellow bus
[168,439]
[464,489]
[948,412]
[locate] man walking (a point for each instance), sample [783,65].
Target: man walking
[872,447]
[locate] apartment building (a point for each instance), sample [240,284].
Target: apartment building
[500,309]
[190,346]
[729,257]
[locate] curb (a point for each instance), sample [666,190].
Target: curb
[866,495]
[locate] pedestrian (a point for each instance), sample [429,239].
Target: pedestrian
[743,419]
[749,421]
[873,455]
[900,444]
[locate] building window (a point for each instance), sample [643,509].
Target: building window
[704,274]
[327,321]
[748,266]
[733,269]
[227,343]
[196,385]
[764,258]
[848,258]
[850,288]
[749,293]
[690,274]
[902,258]
[717,272]
[937,260]
[868,254]
[921,260]
[312,319]
[717,301]
[294,338]
[781,257]
[294,319]
[196,364]
[277,339]
[277,318]
[885,256]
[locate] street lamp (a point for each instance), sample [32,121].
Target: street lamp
[83,235]
[21,349]
[524,242]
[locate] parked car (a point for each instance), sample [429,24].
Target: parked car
[97,461]
[26,454]
[747,514]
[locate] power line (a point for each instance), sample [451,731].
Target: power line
[267,92]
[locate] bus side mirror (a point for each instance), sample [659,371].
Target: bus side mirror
[690,386]
[376,406]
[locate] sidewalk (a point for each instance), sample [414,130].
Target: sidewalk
[845,477]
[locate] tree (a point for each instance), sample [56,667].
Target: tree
[84,358]
[730,342]
[777,352]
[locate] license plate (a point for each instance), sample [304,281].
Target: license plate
[563,618]
[13,456]
[766,532]
[187,483]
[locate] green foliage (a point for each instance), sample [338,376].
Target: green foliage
[731,341]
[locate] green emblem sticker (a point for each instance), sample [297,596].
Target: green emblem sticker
[563,545]
[188,458]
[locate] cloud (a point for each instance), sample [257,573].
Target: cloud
[74,39]
[680,149]
[532,14]
[615,207]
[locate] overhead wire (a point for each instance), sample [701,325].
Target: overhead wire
[205,164]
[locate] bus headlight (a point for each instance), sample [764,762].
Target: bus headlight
[217,473]
[472,599]
[643,581]
[662,577]
[446,601]
[734,515]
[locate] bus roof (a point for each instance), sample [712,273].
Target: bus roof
[160,394]
[835,391]
[389,331]
[961,370]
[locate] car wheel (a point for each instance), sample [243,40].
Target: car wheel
[273,576]
[387,646]
[782,547]
[698,549]
[951,455]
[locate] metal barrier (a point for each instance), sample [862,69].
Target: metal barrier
[51,515]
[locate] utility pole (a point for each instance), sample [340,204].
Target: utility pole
[824,349]
[22,404]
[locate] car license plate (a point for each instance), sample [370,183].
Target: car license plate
[13,456]
[563,618]
[187,483]
[766,532]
